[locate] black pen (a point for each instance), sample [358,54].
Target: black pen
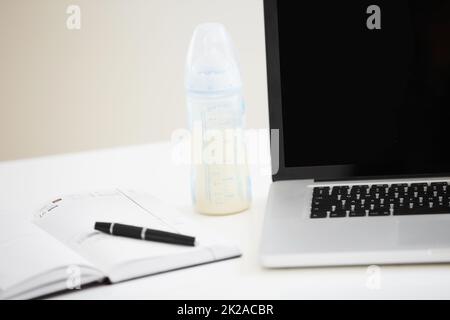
[142,233]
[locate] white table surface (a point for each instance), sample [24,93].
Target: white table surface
[25,185]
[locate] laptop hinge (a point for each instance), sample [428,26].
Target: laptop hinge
[396,177]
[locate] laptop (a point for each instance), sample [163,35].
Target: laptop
[359,108]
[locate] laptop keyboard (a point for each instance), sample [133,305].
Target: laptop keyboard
[380,200]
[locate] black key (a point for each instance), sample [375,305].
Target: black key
[439,183]
[421,184]
[400,205]
[399,185]
[345,196]
[318,210]
[380,186]
[415,210]
[358,212]
[326,203]
[378,213]
[318,215]
[321,190]
[440,210]
[360,186]
[338,190]
[339,214]
[440,187]
[391,200]
[413,189]
[321,199]
[422,210]
[402,211]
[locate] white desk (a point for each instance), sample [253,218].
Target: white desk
[27,184]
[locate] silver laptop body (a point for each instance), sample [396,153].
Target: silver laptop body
[392,226]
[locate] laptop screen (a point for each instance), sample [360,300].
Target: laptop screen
[366,88]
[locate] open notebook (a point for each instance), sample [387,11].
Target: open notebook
[61,249]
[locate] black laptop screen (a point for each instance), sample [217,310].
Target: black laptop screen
[376,101]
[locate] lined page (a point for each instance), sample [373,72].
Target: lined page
[73,220]
[29,254]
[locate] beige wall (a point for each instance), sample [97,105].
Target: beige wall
[118,80]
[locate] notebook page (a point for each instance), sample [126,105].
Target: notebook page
[72,222]
[30,255]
